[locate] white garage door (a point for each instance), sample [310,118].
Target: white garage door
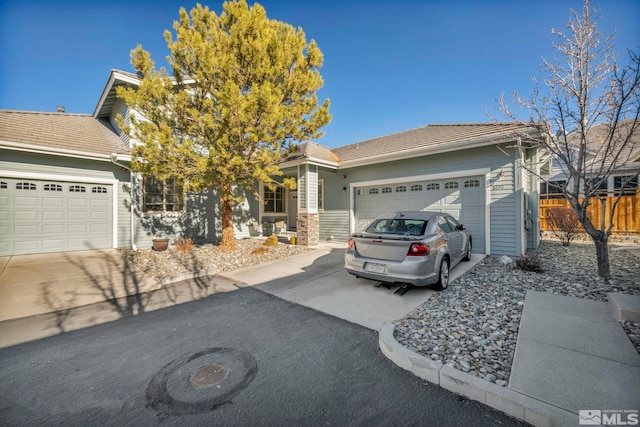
[463,198]
[49,216]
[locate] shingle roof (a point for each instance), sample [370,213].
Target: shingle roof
[596,137]
[60,131]
[313,150]
[431,136]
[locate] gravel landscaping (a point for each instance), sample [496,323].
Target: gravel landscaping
[473,325]
[174,261]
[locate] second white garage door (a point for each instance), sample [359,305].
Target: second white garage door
[54,216]
[463,198]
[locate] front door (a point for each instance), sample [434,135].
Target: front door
[292,209]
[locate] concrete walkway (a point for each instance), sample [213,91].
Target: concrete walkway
[573,353]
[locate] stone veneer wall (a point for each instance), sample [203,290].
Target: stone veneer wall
[308,229]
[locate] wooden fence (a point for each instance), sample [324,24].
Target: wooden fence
[626,219]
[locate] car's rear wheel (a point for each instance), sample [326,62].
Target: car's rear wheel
[467,255]
[443,276]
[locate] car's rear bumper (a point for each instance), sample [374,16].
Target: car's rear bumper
[416,271]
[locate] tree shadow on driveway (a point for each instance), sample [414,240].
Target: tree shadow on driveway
[48,294]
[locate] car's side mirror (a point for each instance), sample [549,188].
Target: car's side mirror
[461,227]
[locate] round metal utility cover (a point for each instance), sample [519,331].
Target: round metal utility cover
[208,375]
[201,381]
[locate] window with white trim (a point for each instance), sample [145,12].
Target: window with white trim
[77,189]
[373,191]
[470,183]
[401,189]
[274,200]
[321,194]
[99,189]
[433,186]
[451,185]
[416,187]
[386,190]
[162,196]
[628,184]
[52,187]
[25,186]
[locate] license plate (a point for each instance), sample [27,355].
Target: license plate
[374,268]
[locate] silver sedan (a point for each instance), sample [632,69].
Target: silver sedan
[417,248]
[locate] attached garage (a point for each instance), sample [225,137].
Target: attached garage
[38,216]
[464,197]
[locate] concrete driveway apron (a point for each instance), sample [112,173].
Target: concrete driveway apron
[318,280]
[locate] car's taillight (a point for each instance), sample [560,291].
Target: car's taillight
[418,249]
[351,244]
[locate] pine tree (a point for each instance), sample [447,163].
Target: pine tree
[241,94]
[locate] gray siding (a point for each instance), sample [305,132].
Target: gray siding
[123,222]
[503,201]
[16,161]
[121,108]
[533,195]
[334,225]
[200,221]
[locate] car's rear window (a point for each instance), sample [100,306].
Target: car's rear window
[410,227]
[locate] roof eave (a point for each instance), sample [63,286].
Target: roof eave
[424,151]
[115,76]
[309,160]
[30,148]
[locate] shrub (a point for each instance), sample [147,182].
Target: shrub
[564,224]
[260,250]
[529,262]
[184,244]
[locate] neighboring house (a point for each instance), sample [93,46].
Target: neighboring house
[607,179]
[620,178]
[64,185]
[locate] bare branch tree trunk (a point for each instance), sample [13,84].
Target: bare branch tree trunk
[602,254]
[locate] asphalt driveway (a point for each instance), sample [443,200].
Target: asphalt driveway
[235,358]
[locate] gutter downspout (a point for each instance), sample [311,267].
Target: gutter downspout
[113,158]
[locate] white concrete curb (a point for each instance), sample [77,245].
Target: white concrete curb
[510,402]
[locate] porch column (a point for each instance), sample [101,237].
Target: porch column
[307,218]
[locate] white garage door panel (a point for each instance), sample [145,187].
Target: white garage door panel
[54,216]
[53,245]
[52,202]
[27,246]
[463,198]
[27,215]
[26,230]
[52,228]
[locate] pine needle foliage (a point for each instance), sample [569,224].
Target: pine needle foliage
[240,96]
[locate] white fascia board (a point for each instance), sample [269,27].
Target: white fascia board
[56,177]
[429,177]
[321,162]
[107,89]
[423,151]
[18,146]
[121,157]
[310,161]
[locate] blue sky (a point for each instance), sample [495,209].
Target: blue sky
[389,66]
